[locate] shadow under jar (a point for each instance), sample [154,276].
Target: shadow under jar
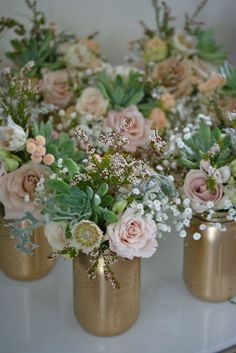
[99,308]
[209,269]
[17,264]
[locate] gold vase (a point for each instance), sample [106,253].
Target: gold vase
[101,309]
[209,269]
[20,266]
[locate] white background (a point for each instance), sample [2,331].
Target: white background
[117,20]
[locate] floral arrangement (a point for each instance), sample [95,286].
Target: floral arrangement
[185,62]
[29,150]
[116,94]
[48,49]
[110,205]
[205,166]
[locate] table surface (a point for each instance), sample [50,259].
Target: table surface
[37,317]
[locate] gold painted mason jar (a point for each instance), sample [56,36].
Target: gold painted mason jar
[209,269]
[99,308]
[20,266]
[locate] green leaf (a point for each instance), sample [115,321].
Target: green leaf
[136,98]
[110,217]
[97,200]
[68,232]
[59,186]
[72,167]
[205,133]
[188,164]
[107,200]
[102,190]
[89,192]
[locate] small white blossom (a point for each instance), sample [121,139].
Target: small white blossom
[202,227]
[196,236]
[183,233]
[61,112]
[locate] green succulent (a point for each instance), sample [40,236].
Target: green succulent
[208,48]
[70,202]
[39,43]
[229,88]
[123,93]
[199,145]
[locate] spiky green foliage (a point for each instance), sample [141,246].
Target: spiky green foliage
[122,92]
[208,48]
[119,92]
[199,145]
[229,88]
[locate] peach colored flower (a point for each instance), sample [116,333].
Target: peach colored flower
[91,102]
[17,185]
[158,119]
[55,88]
[133,235]
[40,140]
[167,101]
[138,132]
[55,233]
[30,147]
[36,157]
[48,159]
[175,75]
[212,83]
[40,150]
[195,188]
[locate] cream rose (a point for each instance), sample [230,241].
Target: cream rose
[55,233]
[155,50]
[91,102]
[133,235]
[18,186]
[79,56]
[175,75]
[195,188]
[138,132]
[55,88]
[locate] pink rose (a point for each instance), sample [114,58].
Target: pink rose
[133,235]
[195,188]
[55,88]
[17,190]
[138,132]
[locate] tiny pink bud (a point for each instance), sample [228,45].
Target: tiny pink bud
[48,159]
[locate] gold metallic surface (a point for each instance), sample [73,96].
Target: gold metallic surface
[210,263]
[20,266]
[100,309]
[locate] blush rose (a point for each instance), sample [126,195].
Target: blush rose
[137,133]
[133,235]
